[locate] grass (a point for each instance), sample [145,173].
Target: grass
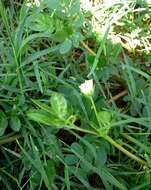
[55,134]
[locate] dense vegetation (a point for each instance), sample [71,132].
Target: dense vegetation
[75,95]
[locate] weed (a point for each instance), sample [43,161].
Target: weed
[75,95]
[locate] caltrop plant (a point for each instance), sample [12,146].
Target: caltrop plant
[59,115]
[58,130]
[61,20]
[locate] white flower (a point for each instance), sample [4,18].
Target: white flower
[87,87]
[86,5]
[32,3]
[37,3]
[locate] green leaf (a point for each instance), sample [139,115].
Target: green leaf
[43,106]
[81,175]
[148,160]
[101,62]
[45,118]
[149,97]
[66,176]
[76,38]
[3,123]
[74,8]
[65,46]
[50,171]
[101,156]
[15,123]
[103,173]
[38,76]
[78,148]
[53,4]
[41,22]
[78,22]
[35,177]
[59,105]
[104,118]
[71,159]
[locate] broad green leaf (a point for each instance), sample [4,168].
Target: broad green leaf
[59,105]
[80,175]
[41,22]
[88,140]
[78,22]
[45,118]
[60,36]
[65,46]
[89,158]
[3,123]
[35,177]
[76,38]
[101,156]
[104,118]
[15,123]
[53,4]
[71,159]
[78,148]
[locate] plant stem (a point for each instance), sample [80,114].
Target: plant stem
[88,49]
[74,127]
[109,139]
[129,154]
[114,143]
[10,139]
[93,105]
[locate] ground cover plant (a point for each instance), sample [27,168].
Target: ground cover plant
[75,95]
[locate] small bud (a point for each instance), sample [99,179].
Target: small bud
[87,88]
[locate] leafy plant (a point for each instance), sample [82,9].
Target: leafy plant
[75,109]
[63,21]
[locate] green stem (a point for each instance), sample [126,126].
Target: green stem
[74,127]
[114,143]
[10,139]
[94,107]
[129,154]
